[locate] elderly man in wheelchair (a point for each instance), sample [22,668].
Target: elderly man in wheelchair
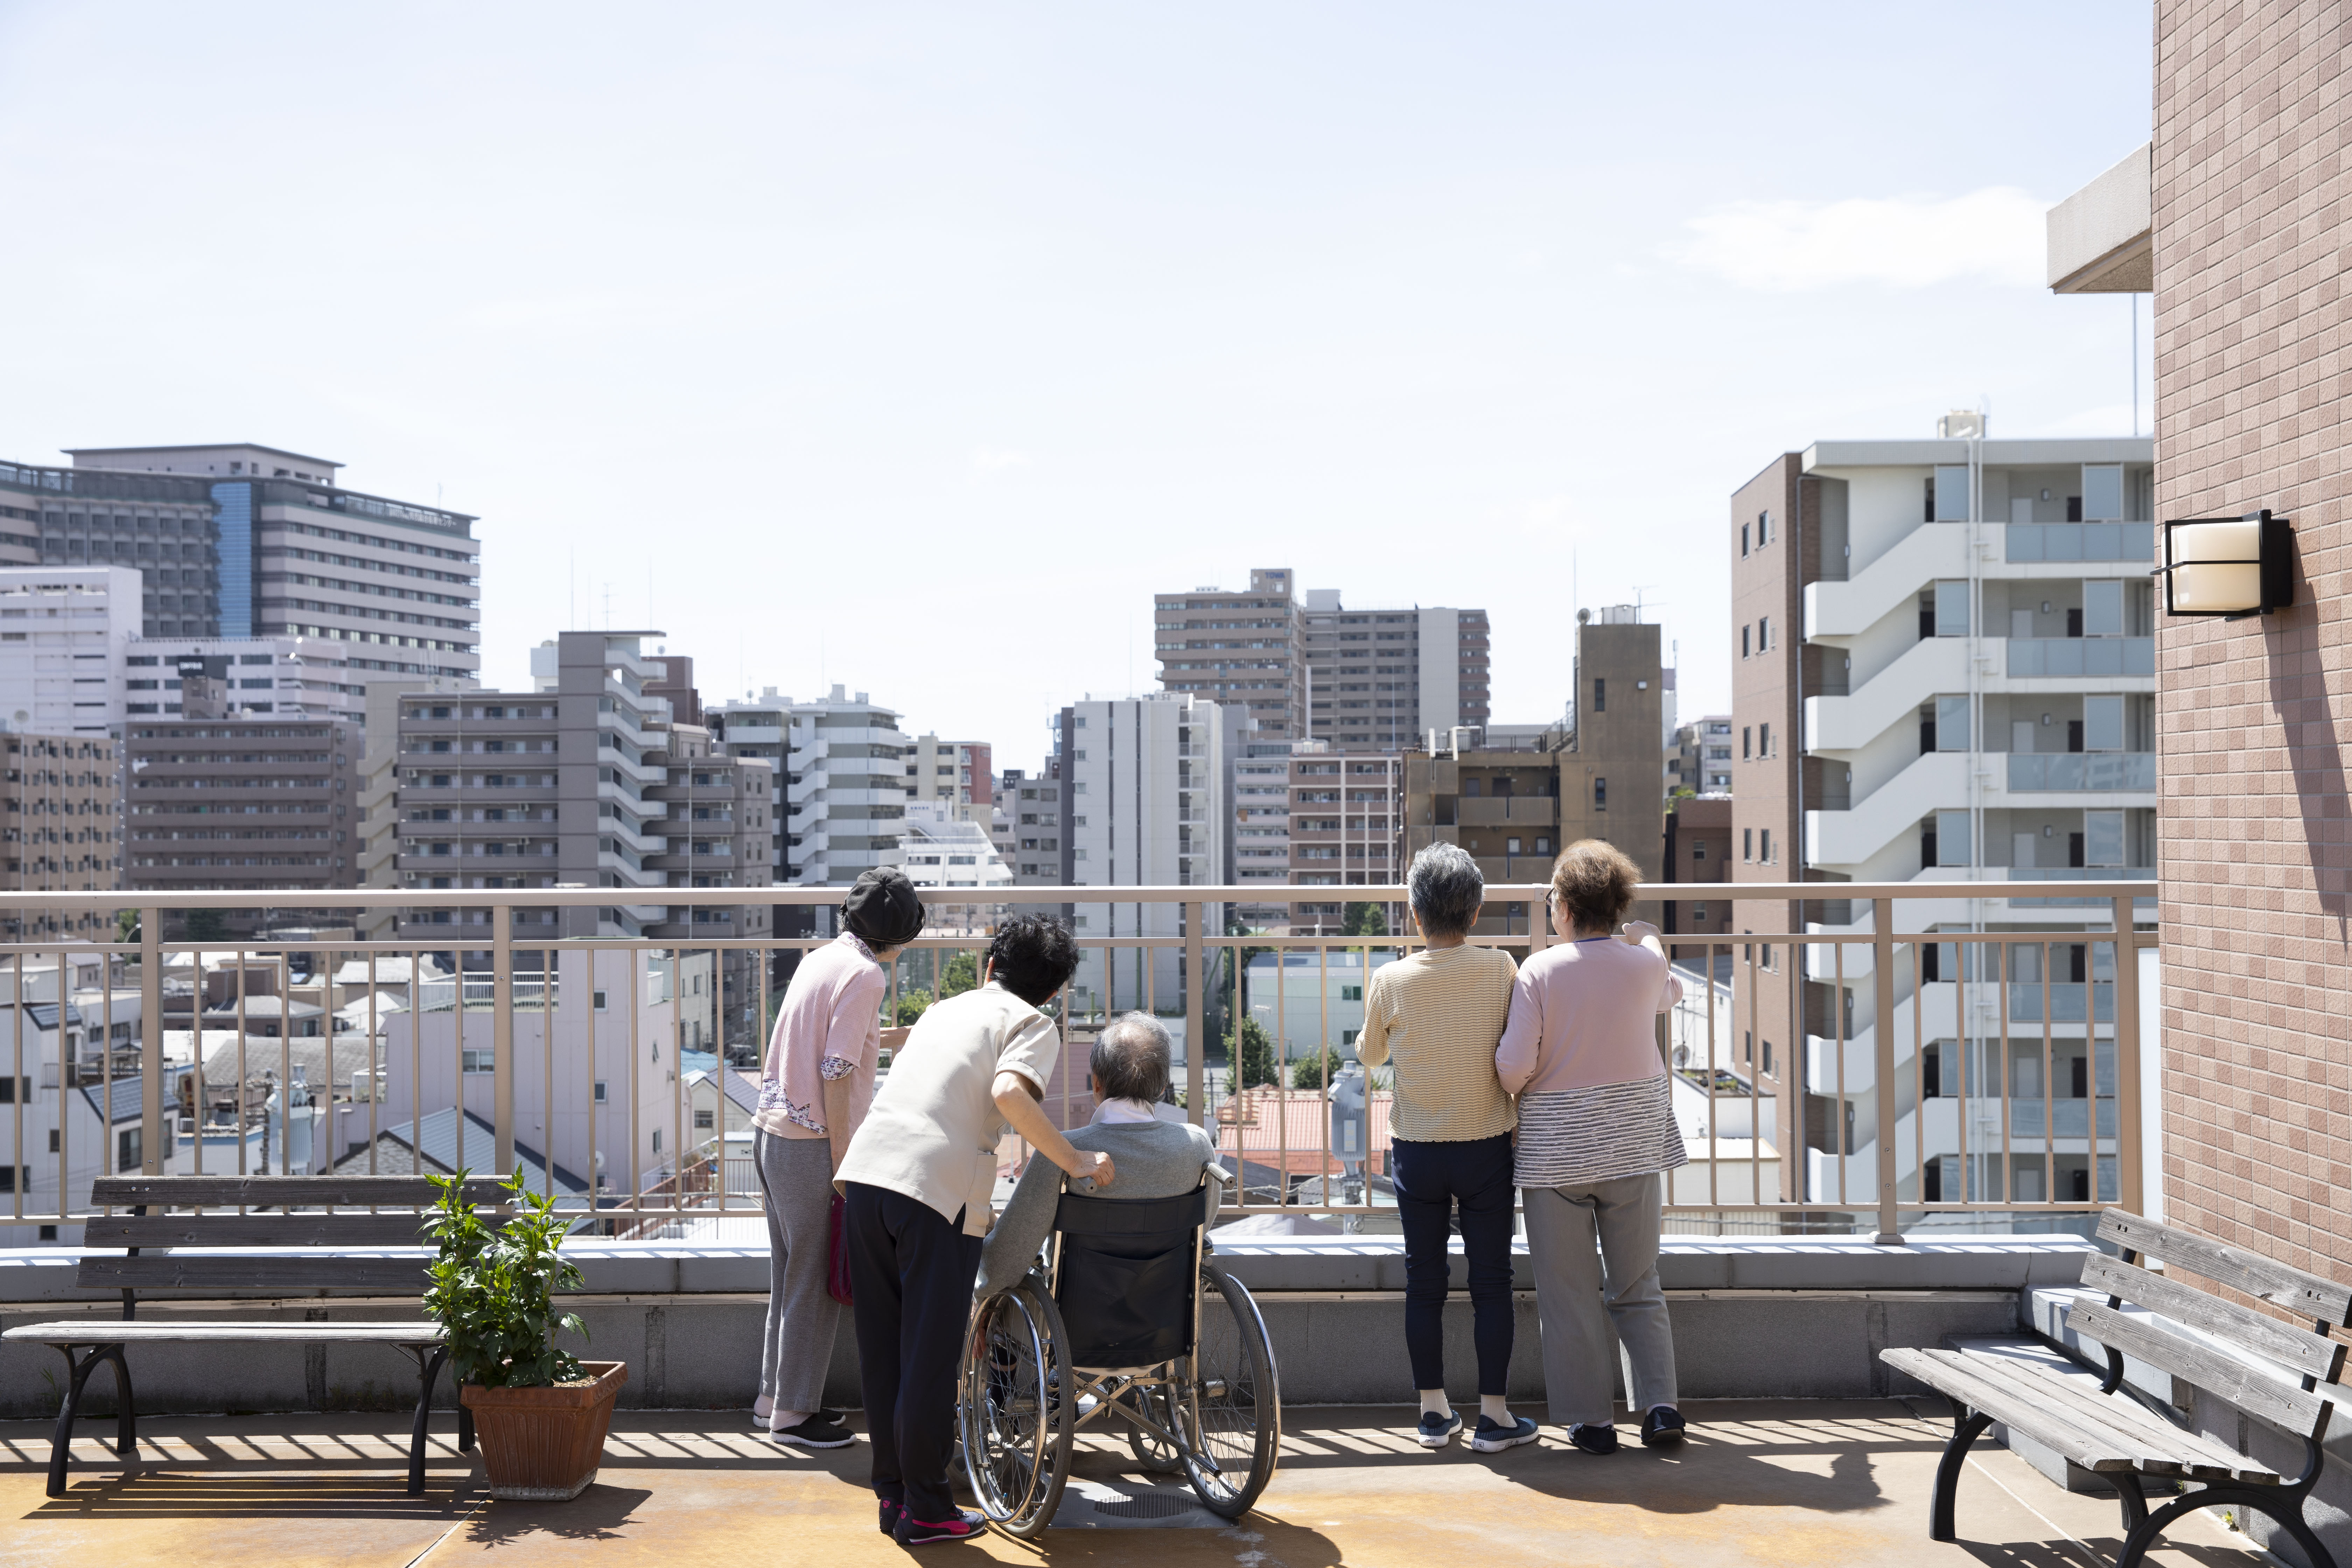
[1110,1312]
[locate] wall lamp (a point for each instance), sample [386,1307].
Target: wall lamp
[2228,566]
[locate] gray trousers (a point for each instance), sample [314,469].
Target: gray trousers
[796,1347]
[1580,1295]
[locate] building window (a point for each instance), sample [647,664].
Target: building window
[1744,632]
[1763,633]
[1743,538]
[1599,695]
[130,1149]
[1744,753]
[1698,848]
[704,1121]
[1763,740]
[1763,529]
[1764,845]
[1600,795]
[1748,844]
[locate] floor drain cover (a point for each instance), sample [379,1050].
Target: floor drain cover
[1150,1505]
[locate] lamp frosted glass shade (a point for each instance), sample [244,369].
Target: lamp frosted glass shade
[2231,539]
[2228,566]
[2217,588]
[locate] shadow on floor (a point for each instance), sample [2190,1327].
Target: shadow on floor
[599,1513]
[254,1492]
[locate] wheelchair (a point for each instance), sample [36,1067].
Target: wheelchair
[1128,1325]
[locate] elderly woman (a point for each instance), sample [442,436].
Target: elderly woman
[1155,1158]
[813,1092]
[1438,1014]
[1596,1131]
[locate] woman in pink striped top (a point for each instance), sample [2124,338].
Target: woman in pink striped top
[1597,1130]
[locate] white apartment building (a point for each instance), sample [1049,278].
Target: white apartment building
[945,853]
[1145,776]
[841,783]
[1971,698]
[286,676]
[957,773]
[65,632]
[1261,816]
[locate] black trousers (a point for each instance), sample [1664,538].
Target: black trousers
[910,1275]
[1432,1181]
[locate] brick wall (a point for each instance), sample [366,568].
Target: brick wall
[2249,175]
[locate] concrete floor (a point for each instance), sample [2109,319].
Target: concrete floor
[1841,1483]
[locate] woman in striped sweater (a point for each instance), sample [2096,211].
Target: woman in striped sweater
[1596,1131]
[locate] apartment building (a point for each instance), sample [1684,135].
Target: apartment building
[59,795]
[585,781]
[1518,795]
[1237,649]
[245,804]
[1037,826]
[1944,673]
[1346,828]
[948,853]
[243,541]
[1697,851]
[839,779]
[956,773]
[1698,756]
[1380,679]
[1144,780]
[213,678]
[65,632]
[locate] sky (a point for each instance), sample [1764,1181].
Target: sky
[912,348]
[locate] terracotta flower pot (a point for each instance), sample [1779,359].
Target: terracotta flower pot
[544,1444]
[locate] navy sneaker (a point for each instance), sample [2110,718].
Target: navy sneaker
[1435,1431]
[1662,1428]
[1493,1436]
[890,1513]
[815,1432]
[912,1531]
[1594,1440]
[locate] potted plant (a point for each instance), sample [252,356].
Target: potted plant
[539,1413]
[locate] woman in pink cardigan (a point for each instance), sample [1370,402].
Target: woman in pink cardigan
[1597,1130]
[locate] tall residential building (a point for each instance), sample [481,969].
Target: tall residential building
[1698,756]
[955,772]
[242,540]
[64,635]
[840,780]
[1518,795]
[1145,782]
[59,797]
[1380,679]
[216,677]
[1371,679]
[1346,828]
[1945,673]
[246,803]
[582,781]
[1038,826]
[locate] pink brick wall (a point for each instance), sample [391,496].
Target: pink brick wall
[2250,182]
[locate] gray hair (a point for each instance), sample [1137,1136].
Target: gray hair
[1129,1061]
[1446,889]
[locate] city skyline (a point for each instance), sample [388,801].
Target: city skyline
[1053,282]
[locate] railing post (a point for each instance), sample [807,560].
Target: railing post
[1196,1014]
[151,1042]
[1881,947]
[501,1032]
[2128,1109]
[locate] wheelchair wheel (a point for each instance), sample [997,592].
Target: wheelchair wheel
[1229,1404]
[1154,1455]
[1015,1415]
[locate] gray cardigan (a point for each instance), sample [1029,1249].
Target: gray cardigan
[1148,1160]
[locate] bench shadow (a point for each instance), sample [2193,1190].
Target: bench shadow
[2096,1552]
[172,1492]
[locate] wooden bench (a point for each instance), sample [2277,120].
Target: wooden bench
[2291,1385]
[168,1251]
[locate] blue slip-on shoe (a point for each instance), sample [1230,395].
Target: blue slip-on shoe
[1662,1428]
[1493,1436]
[1593,1438]
[1435,1431]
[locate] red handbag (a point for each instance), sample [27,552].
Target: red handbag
[837,1283]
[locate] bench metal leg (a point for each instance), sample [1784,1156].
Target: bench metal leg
[2281,1505]
[1967,1427]
[2134,1499]
[428,1372]
[465,1429]
[126,1432]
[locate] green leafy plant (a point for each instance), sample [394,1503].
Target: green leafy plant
[1253,1055]
[962,975]
[912,1005]
[1367,919]
[493,1290]
[1315,1072]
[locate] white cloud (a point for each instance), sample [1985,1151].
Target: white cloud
[986,461]
[1993,235]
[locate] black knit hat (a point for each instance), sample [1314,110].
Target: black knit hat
[882,908]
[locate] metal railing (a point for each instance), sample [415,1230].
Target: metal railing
[1828,1079]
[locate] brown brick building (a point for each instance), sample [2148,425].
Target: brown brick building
[64,832]
[1698,850]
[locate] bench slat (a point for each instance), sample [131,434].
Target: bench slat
[2310,1354]
[234,1271]
[102,1330]
[282,1192]
[2234,1380]
[1959,1376]
[2305,1295]
[300,1229]
[2199,1457]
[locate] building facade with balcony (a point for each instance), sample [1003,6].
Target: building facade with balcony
[838,774]
[254,803]
[1944,673]
[1698,756]
[957,773]
[60,797]
[160,527]
[65,632]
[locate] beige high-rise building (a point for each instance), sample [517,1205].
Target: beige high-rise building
[63,831]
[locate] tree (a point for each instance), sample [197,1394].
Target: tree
[205,925]
[1253,1057]
[1315,1072]
[1366,920]
[126,925]
[911,1006]
[962,975]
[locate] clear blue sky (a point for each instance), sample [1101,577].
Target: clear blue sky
[913,347]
